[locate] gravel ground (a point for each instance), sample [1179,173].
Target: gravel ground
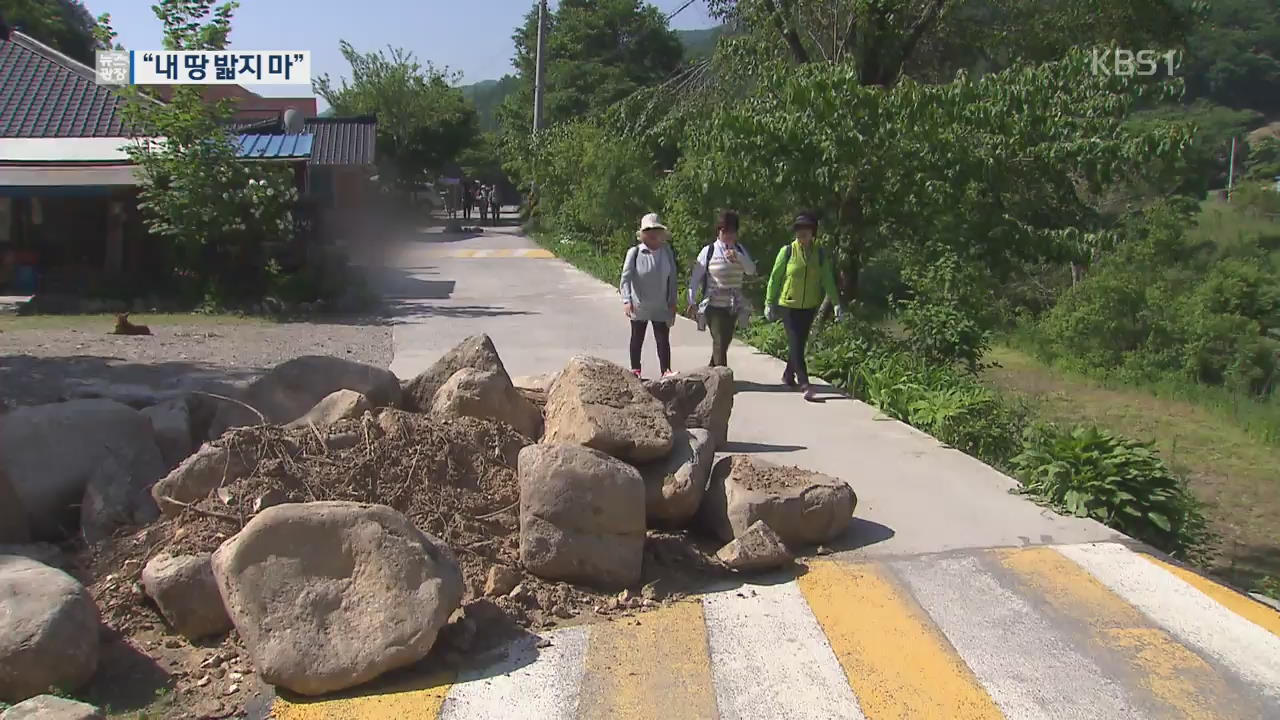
[54,359]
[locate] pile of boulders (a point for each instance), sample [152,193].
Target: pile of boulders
[277,521]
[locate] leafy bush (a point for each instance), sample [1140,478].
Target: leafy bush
[1119,482]
[1270,587]
[1164,305]
[948,317]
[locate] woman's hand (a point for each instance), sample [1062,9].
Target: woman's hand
[628,310]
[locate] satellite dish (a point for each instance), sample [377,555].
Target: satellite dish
[293,121]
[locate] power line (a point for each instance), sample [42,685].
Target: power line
[680,10]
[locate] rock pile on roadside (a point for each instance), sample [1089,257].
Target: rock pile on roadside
[366,523]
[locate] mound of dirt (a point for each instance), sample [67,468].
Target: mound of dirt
[455,479]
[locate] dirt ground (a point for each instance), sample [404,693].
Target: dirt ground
[48,358]
[1231,471]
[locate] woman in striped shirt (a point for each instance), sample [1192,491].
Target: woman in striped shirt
[715,289]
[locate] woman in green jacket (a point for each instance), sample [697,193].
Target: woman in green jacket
[802,276]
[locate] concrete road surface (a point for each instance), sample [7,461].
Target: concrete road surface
[950,598]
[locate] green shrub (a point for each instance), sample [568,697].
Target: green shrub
[1270,587]
[1119,482]
[592,181]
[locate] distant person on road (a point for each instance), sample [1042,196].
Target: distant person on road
[466,200]
[648,291]
[482,199]
[495,204]
[716,299]
[802,277]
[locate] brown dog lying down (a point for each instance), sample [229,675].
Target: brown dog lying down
[124,327]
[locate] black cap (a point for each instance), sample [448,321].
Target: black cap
[805,220]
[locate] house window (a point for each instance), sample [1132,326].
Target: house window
[6,220]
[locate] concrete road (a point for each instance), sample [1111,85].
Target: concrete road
[951,598]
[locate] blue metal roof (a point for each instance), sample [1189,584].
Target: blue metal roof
[275,147]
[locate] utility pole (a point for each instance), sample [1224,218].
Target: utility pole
[539,75]
[1231,172]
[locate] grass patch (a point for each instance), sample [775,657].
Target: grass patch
[105,322]
[1227,465]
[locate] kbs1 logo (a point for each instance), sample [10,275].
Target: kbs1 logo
[204,67]
[1128,63]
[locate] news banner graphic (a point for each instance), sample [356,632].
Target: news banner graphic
[204,67]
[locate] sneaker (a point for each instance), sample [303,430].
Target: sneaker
[789,381]
[669,373]
[810,394]
[636,373]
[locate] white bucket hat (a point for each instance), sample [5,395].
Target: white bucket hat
[651,222]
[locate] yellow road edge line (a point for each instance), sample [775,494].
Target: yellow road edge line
[1255,612]
[416,697]
[1173,673]
[896,660]
[655,666]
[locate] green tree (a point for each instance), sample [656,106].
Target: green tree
[598,52]
[487,96]
[1234,58]
[424,122]
[64,25]
[217,216]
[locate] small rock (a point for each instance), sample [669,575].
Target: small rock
[562,611]
[235,677]
[543,643]
[519,593]
[218,672]
[759,548]
[203,681]
[172,643]
[501,581]
[650,591]
[187,594]
[823,550]
[270,498]
[625,597]
[233,689]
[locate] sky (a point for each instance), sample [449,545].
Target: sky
[470,36]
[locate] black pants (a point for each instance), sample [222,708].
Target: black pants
[721,322]
[494,211]
[466,211]
[661,335]
[798,324]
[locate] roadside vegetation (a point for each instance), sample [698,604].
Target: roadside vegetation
[1043,271]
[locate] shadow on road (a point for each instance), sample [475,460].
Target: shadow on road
[750,447]
[861,533]
[404,308]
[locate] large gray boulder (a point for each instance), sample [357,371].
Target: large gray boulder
[489,395]
[13,517]
[48,630]
[336,406]
[212,466]
[293,388]
[184,589]
[52,707]
[802,507]
[701,398]
[582,516]
[330,595]
[111,501]
[674,486]
[603,406]
[171,421]
[476,352]
[50,452]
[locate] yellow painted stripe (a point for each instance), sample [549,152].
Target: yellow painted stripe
[507,252]
[409,697]
[654,666]
[1255,612]
[539,253]
[897,662]
[465,253]
[1171,672]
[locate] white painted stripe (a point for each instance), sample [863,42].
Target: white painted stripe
[1191,616]
[1023,662]
[770,658]
[528,682]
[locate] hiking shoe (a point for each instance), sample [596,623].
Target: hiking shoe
[810,394]
[636,373]
[669,373]
[789,381]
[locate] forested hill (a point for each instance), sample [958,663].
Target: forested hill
[489,94]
